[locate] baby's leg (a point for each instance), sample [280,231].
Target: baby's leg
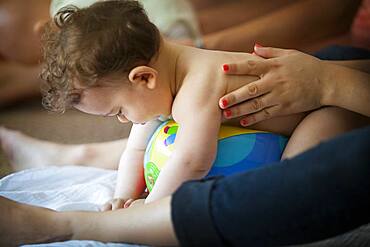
[280,125]
[321,125]
[26,152]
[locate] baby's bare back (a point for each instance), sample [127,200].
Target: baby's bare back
[206,83]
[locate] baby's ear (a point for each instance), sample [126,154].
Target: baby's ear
[144,75]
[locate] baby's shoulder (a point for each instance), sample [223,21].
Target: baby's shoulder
[196,95]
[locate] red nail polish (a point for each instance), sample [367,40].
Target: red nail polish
[224,102]
[228,113]
[257,45]
[225,67]
[244,122]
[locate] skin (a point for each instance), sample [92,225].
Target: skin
[211,15]
[148,224]
[271,28]
[20,28]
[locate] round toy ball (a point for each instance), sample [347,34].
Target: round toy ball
[238,150]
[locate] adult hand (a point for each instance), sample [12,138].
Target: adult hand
[289,82]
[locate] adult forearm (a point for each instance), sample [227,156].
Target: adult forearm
[277,28]
[347,88]
[237,12]
[362,65]
[148,224]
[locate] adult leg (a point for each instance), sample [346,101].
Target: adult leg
[26,152]
[318,194]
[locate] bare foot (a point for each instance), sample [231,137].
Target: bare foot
[26,152]
[23,224]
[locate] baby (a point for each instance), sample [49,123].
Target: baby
[109,59]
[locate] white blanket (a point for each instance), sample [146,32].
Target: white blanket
[62,189]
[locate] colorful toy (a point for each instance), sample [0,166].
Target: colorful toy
[238,150]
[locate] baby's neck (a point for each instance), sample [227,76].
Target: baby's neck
[167,64]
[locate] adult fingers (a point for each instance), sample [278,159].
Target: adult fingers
[270,52]
[249,91]
[249,67]
[259,116]
[250,106]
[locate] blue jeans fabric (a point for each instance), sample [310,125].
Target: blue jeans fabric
[316,195]
[340,52]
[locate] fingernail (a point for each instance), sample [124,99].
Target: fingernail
[244,122]
[224,102]
[225,67]
[228,113]
[253,53]
[257,45]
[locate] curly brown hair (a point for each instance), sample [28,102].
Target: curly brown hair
[109,37]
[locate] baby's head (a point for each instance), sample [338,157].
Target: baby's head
[96,60]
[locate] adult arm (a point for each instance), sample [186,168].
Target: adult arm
[313,20]
[292,82]
[362,65]
[346,88]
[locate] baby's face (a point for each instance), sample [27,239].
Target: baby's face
[124,101]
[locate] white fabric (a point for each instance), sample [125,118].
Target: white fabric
[62,189]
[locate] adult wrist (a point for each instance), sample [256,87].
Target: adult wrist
[328,83]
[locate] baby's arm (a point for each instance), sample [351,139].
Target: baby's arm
[196,147]
[130,180]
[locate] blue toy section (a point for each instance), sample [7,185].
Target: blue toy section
[249,151]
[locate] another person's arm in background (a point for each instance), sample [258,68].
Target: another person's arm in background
[308,21]
[292,82]
[212,15]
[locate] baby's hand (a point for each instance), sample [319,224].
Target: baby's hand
[116,203]
[137,202]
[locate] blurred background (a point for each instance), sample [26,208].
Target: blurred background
[230,25]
